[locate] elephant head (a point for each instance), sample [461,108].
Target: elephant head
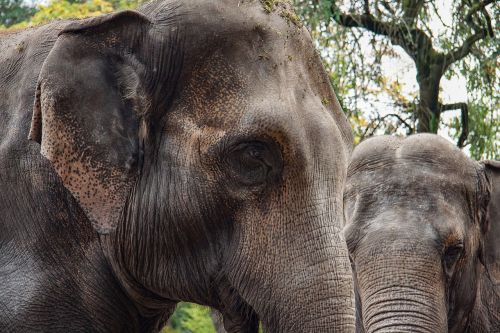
[196,138]
[421,237]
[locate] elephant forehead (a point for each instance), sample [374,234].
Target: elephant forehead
[205,19]
[240,54]
[425,174]
[428,150]
[422,162]
[415,188]
[219,89]
[263,42]
[430,219]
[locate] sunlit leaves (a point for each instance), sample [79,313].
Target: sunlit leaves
[64,9]
[354,57]
[190,318]
[14,11]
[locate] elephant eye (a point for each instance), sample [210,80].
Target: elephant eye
[451,256]
[252,162]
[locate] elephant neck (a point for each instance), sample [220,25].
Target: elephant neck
[153,308]
[485,315]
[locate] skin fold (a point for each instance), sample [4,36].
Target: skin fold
[180,152]
[423,232]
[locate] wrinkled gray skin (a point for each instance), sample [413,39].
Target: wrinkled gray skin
[423,241]
[181,152]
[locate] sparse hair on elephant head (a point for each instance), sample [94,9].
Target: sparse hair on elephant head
[423,231]
[213,174]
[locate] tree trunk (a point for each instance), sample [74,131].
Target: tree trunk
[428,112]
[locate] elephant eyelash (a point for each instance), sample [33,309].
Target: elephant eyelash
[454,250]
[451,256]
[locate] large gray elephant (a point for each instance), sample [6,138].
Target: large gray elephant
[189,150]
[424,244]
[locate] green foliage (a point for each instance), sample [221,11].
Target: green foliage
[14,11]
[484,131]
[61,9]
[190,318]
[67,9]
[353,58]
[126,4]
[268,5]
[284,8]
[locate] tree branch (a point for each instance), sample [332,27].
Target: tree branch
[404,122]
[364,21]
[411,10]
[463,50]
[453,106]
[368,22]
[464,119]
[477,7]
[410,39]
[379,120]
[367,7]
[388,7]
[436,11]
[491,32]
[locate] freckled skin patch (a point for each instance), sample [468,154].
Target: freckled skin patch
[97,187]
[416,209]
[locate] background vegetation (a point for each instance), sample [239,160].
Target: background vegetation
[190,318]
[357,40]
[438,40]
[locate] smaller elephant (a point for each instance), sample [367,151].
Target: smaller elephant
[423,232]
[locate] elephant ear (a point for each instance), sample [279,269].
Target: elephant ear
[491,242]
[87,112]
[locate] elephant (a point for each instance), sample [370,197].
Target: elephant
[184,151]
[422,238]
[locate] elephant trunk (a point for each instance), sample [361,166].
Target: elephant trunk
[306,277]
[402,310]
[401,289]
[300,278]
[316,312]
[322,302]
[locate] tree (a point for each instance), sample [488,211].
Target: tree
[14,11]
[467,48]
[190,318]
[66,9]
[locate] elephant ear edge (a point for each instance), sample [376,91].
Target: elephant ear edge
[491,242]
[85,116]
